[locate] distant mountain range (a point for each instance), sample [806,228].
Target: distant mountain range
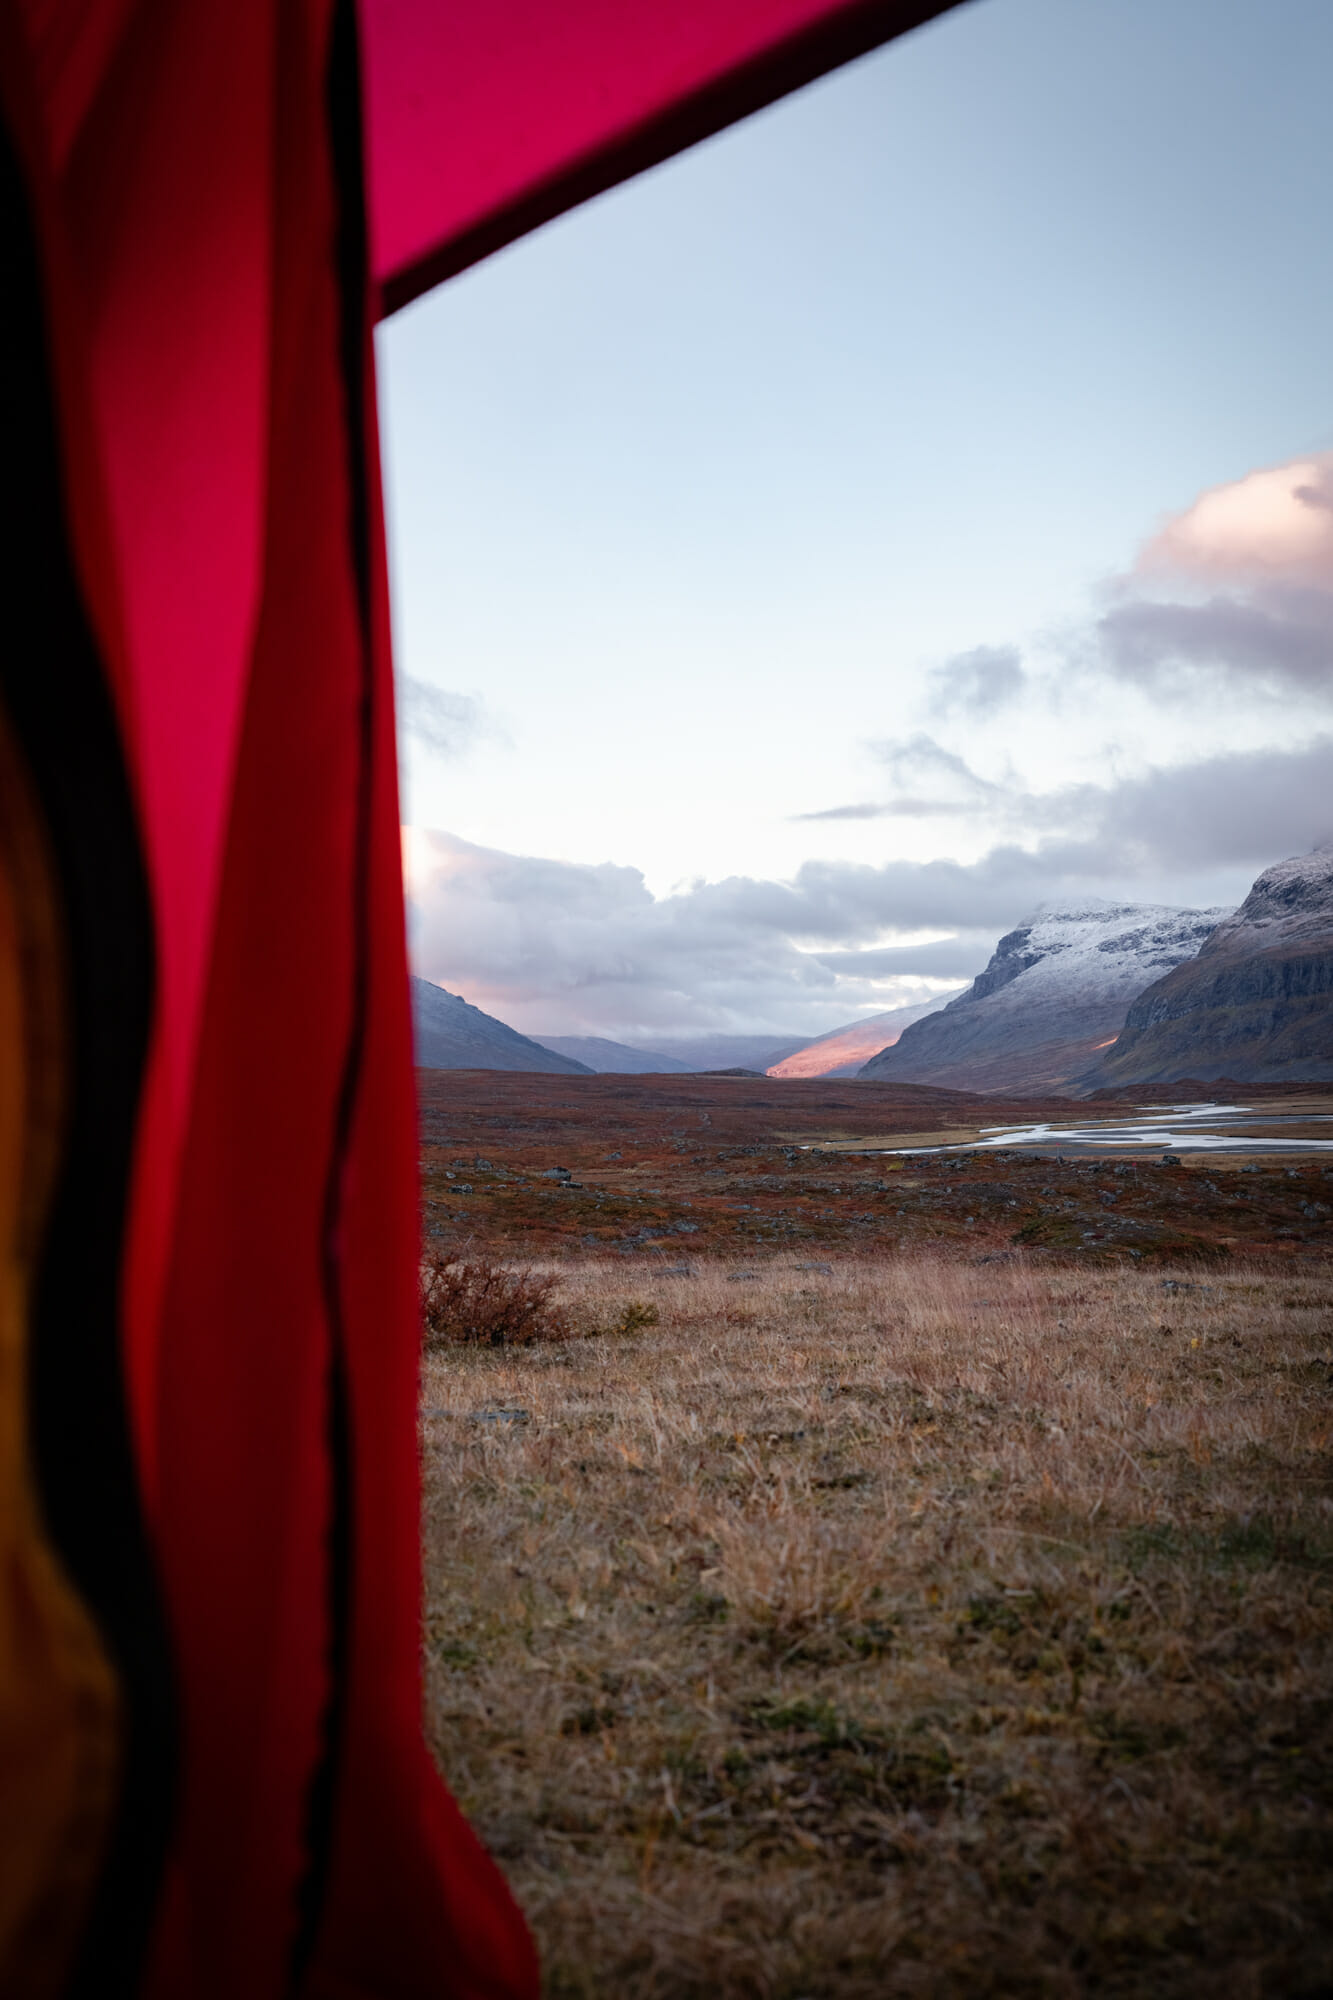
[1087,996]
[1254,1004]
[1056,991]
[451,1034]
[448,1033]
[688,1055]
[609,1058]
[840,1052]
[705,1052]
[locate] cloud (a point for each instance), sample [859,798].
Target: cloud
[445,723]
[867,810]
[1232,596]
[953,787]
[961,955]
[980,683]
[564,947]
[1236,591]
[1275,525]
[1272,641]
[914,760]
[1243,809]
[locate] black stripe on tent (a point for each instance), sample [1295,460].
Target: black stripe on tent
[343,111]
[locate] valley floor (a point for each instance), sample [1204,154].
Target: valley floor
[903,1626]
[655,1169]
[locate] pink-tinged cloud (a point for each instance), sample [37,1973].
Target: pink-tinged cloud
[1236,592]
[1274,525]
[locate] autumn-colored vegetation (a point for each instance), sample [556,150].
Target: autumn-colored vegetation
[473,1300]
[655,1169]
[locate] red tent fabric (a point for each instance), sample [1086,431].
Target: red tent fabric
[223,1409]
[484,121]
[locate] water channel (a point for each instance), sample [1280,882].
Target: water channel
[1253,1129]
[1298,1127]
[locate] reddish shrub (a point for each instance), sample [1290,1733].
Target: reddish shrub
[473,1301]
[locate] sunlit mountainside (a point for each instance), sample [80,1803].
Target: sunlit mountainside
[845,1051]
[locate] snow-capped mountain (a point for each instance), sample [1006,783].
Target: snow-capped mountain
[449,1033]
[1055,991]
[1256,1004]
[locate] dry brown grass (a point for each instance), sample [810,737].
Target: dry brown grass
[918,1629]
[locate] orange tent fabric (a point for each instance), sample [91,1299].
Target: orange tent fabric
[209,1358]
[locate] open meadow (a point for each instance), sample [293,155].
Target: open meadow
[949,1617]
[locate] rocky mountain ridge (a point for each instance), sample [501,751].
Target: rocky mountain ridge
[1255,1004]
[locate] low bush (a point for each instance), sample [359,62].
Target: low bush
[472,1301]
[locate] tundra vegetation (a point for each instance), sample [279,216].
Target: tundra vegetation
[948,1617]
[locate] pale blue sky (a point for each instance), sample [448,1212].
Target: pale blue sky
[691,490]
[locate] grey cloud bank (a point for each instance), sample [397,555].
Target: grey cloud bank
[1228,811]
[579,948]
[1276,640]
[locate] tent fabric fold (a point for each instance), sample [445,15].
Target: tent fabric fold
[84,1678]
[215,1776]
[486,120]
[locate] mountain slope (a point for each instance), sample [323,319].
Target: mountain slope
[609,1058]
[1256,1003]
[843,1051]
[1055,991]
[448,1033]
